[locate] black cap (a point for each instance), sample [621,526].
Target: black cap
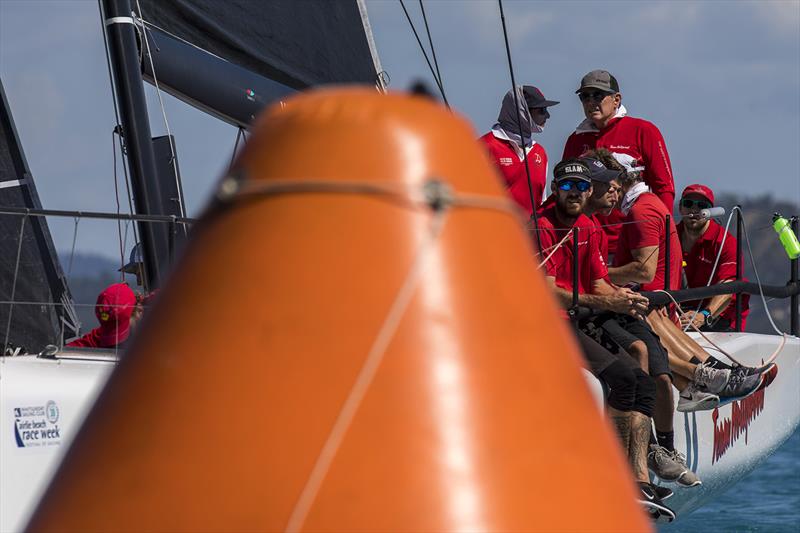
[572,168]
[534,97]
[599,79]
[599,172]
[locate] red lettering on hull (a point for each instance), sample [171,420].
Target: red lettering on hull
[728,430]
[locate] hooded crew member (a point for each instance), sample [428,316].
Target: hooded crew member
[528,114]
[113,310]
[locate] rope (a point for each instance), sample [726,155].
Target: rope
[519,124]
[14,282]
[116,196]
[758,280]
[425,55]
[764,364]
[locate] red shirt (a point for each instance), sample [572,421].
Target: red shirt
[512,169]
[98,338]
[700,260]
[591,266]
[645,226]
[601,236]
[639,139]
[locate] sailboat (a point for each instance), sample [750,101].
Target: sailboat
[50,395]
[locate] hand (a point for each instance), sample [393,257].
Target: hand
[625,301]
[696,319]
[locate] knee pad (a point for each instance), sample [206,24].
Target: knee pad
[622,382]
[645,400]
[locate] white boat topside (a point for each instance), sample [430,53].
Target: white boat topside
[44,402]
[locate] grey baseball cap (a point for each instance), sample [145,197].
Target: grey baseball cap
[599,79]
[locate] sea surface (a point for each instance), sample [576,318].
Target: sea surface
[767,500]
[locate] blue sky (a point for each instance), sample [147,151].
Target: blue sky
[720,79]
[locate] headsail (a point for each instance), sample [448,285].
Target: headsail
[298,43]
[37,275]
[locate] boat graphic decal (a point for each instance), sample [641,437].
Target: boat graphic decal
[37,425]
[728,430]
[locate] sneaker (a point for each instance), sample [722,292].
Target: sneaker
[768,374]
[656,508]
[663,493]
[711,379]
[687,478]
[694,399]
[740,385]
[661,462]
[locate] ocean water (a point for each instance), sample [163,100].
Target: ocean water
[767,500]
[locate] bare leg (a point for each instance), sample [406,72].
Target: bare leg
[680,382]
[681,367]
[665,406]
[622,423]
[638,350]
[640,443]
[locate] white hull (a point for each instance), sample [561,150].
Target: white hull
[49,399]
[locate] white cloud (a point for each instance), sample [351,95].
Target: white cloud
[782,16]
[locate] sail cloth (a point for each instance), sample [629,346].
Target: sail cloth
[38,274]
[299,43]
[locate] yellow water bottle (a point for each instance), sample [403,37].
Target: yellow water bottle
[786,235]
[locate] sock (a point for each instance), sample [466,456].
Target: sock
[666,439]
[653,438]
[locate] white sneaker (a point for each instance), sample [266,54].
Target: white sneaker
[694,399]
[711,379]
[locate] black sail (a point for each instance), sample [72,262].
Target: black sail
[35,303]
[298,43]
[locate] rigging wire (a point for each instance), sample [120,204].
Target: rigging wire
[519,124]
[430,43]
[116,196]
[425,55]
[14,282]
[173,161]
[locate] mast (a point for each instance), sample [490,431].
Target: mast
[128,85]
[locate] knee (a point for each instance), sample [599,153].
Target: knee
[622,382]
[663,382]
[638,349]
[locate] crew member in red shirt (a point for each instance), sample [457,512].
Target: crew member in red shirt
[113,309]
[529,113]
[632,396]
[607,125]
[701,241]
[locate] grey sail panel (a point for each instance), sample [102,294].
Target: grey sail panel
[39,278]
[298,43]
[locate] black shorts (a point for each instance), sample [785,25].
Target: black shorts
[597,357]
[617,331]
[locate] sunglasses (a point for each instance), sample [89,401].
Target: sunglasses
[688,203]
[568,185]
[596,96]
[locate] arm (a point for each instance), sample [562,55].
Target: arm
[657,164]
[641,270]
[623,301]
[715,306]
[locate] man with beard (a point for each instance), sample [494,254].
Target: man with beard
[702,241]
[525,111]
[632,393]
[607,125]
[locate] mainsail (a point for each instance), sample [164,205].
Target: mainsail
[35,303]
[299,44]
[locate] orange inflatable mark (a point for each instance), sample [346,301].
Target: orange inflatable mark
[356,339]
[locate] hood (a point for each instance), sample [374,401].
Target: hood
[513,117]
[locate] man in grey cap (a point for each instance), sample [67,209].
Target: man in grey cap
[607,125]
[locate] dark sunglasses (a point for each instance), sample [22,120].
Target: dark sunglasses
[568,185]
[688,203]
[596,96]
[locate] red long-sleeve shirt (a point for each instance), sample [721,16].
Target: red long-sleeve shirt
[512,168]
[639,139]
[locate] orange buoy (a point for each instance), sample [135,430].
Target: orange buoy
[356,339]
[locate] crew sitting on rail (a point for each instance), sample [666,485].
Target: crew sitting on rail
[709,254]
[528,115]
[114,308]
[632,392]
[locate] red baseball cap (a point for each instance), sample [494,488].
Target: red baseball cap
[114,309]
[702,190]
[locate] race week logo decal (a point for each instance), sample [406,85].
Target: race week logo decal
[728,430]
[37,425]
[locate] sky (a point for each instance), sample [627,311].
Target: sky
[720,79]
